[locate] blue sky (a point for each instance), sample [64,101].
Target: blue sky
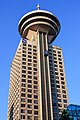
[68,13]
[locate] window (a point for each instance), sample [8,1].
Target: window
[63,87]
[51,68]
[65,101]
[54,51]
[36,91]
[52,85]
[29,52]
[59,100]
[58,90]
[34,46]
[35,54]
[53,89]
[60,66]
[50,57]
[23,67]
[29,68]
[35,65]
[29,96]
[23,85]
[29,60]
[29,111]
[29,106]
[59,105]
[64,96]
[35,101]
[59,52]
[34,61]
[58,86]
[24,59]
[35,69]
[55,58]
[36,112]
[62,82]
[23,80]
[29,81]
[34,50]
[57,81]
[61,70]
[23,94]
[22,116]
[29,101]
[30,64]
[63,91]
[55,61]
[52,76]
[50,60]
[29,72]
[29,76]
[22,99]
[24,48]
[35,82]
[62,78]
[56,73]
[55,109]
[55,66]
[29,56]
[29,90]
[22,111]
[23,55]
[65,105]
[34,57]
[52,81]
[24,51]
[35,77]
[61,74]
[29,49]
[35,96]
[23,75]
[60,59]
[24,44]
[29,45]
[23,89]
[35,107]
[54,104]
[56,77]
[35,73]
[22,105]
[60,63]
[54,54]
[29,117]
[35,117]
[54,94]
[24,63]
[23,71]
[51,72]
[29,86]
[59,55]
[35,87]
[58,95]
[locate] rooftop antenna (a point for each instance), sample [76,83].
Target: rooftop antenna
[38,7]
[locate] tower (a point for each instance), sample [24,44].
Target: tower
[33,93]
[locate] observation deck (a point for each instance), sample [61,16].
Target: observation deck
[39,18]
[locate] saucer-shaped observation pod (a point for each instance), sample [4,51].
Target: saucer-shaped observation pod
[39,18]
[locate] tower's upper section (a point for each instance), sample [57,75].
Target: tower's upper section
[39,18]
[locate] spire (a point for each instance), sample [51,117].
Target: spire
[38,7]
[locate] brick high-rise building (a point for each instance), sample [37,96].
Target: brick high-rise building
[37,79]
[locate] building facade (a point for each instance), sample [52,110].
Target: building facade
[37,79]
[73,111]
